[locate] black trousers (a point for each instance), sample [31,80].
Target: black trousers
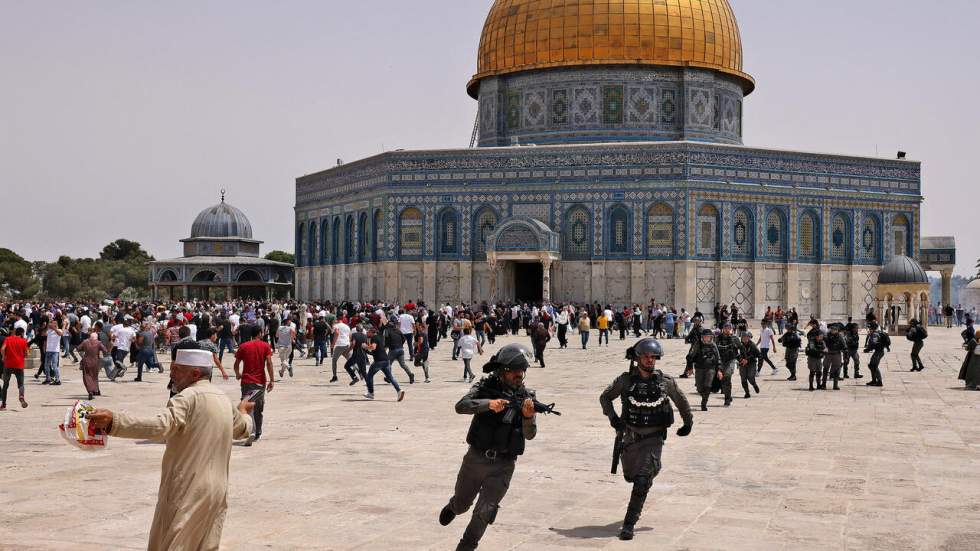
[562,331]
[916,360]
[488,478]
[18,374]
[764,358]
[259,405]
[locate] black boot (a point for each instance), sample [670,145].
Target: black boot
[755,387]
[446,516]
[641,486]
[704,402]
[836,386]
[811,382]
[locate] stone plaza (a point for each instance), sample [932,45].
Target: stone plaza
[863,468]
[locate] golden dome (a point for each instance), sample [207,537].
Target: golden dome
[522,35]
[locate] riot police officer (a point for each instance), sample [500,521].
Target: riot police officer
[833,361]
[917,334]
[792,342]
[692,338]
[732,353]
[707,365]
[816,349]
[852,337]
[876,343]
[503,419]
[645,394]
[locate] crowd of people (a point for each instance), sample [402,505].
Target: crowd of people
[365,339]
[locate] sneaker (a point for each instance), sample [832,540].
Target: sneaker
[446,516]
[282,371]
[3,407]
[23,403]
[248,441]
[354,381]
[56,383]
[290,372]
[411,378]
[858,376]
[45,382]
[428,381]
[747,395]
[334,379]
[791,378]
[401,395]
[369,395]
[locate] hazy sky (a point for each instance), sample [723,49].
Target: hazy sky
[125,118]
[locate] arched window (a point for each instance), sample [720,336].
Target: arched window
[375,235]
[335,241]
[362,234]
[448,233]
[870,238]
[349,240]
[809,236]
[775,238]
[410,233]
[840,238]
[708,231]
[300,235]
[900,232]
[311,246]
[578,233]
[485,223]
[660,231]
[324,226]
[743,233]
[619,230]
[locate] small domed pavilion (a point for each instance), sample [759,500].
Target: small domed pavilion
[221,261]
[903,290]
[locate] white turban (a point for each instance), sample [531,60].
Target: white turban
[195,358]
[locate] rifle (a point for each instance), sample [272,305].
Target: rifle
[515,404]
[617,451]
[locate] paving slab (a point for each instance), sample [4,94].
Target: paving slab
[890,468]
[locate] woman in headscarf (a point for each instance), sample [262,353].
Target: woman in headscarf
[970,372]
[92,352]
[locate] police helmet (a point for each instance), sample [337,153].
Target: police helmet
[872,325]
[707,333]
[747,334]
[648,345]
[726,325]
[913,322]
[509,358]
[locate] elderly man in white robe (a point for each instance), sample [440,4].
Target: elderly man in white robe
[198,425]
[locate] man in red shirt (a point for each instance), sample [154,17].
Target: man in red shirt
[14,350]
[256,355]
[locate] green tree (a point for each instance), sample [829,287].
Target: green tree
[17,279]
[281,256]
[124,249]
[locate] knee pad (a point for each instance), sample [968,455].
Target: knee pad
[487,512]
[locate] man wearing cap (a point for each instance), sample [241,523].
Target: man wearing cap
[496,438]
[198,426]
[645,394]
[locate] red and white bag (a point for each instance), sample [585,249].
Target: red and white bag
[79,432]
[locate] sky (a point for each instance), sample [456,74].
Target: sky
[126,118]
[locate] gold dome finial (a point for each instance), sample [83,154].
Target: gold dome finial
[524,35]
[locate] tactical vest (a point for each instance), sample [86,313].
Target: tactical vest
[792,340]
[646,404]
[727,347]
[707,357]
[488,431]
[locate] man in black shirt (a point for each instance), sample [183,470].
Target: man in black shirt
[320,332]
[376,346]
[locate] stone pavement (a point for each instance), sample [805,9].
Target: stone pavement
[863,468]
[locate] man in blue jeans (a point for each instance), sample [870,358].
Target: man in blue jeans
[226,338]
[376,347]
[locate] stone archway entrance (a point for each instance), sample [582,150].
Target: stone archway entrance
[521,252]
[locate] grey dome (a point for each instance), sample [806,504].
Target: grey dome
[902,269]
[221,220]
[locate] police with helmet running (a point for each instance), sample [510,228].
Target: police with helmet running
[503,413]
[643,392]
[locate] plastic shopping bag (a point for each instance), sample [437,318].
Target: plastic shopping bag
[79,432]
